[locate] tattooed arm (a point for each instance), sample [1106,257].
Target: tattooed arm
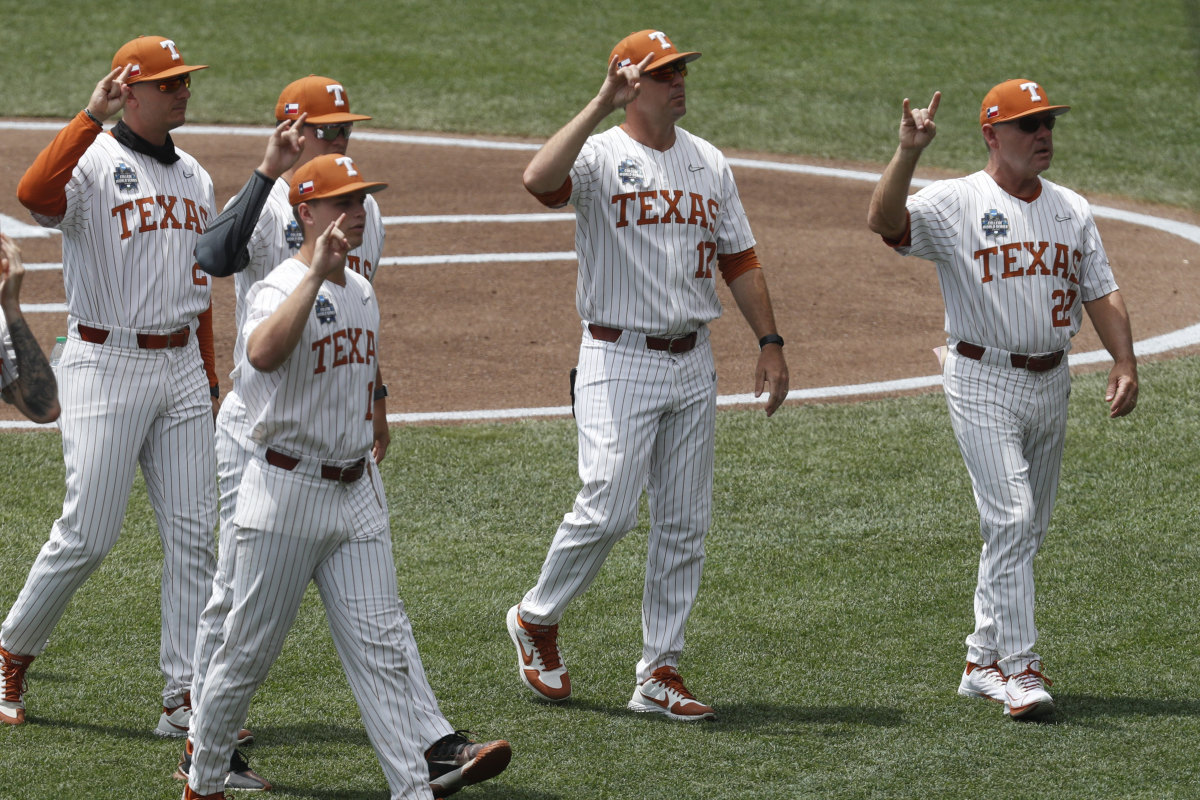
[35,391]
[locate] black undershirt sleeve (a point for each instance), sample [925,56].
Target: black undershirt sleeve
[223,248]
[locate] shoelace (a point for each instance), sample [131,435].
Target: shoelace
[450,745]
[1028,679]
[545,640]
[14,681]
[673,681]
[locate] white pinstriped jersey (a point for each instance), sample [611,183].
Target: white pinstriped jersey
[277,237]
[649,225]
[308,407]
[1014,274]
[129,230]
[8,355]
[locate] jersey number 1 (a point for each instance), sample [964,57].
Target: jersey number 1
[706,251]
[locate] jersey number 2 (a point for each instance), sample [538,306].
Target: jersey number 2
[1064,301]
[706,251]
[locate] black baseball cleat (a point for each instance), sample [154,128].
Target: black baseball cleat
[456,761]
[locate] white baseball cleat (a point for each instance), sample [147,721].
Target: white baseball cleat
[1025,695]
[174,722]
[664,693]
[538,659]
[985,682]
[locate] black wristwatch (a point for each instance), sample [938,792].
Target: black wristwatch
[380,392]
[770,338]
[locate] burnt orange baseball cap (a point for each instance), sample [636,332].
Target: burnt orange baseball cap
[154,58]
[329,176]
[636,46]
[325,100]
[1014,99]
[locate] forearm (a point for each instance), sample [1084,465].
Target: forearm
[888,211]
[551,165]
[1110,318]
[35,392]
[272,342]
[223,248]
[749,291]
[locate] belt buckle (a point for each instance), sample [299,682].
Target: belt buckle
[671,340]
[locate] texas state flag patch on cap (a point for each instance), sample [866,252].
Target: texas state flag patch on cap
[305,188]
[291,108]
[993,111]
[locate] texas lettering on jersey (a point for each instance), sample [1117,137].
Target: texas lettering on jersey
[665,207]
[344,347]
[1026,259]
[159,212]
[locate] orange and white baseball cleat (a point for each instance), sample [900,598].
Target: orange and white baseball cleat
[538,659]
[664,693]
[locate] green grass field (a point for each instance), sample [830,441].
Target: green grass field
[841,562]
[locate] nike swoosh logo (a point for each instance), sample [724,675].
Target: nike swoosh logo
[663,703]
[693,168]
[1062,219]
[526,657]
[188,174]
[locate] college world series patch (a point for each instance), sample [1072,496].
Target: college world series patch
[631,173]
[994,224]
[324,309]
[125,178]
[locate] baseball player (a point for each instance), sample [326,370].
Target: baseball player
[311,504]
[135,386]
[1018,259]
[257,231]
[26,380]
[657,216]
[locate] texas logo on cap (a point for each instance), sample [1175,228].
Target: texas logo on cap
[324,100]
[152,58]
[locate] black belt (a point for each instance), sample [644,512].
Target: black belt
[146,341]
[671,344]
[330,472]
[1042,363]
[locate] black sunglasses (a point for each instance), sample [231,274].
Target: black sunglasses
[331,132]
[1032,124]
[667,73]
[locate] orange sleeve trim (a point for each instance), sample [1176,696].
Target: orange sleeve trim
[906,238]
[208,352]
[43,187]
[557,198]
[734,265]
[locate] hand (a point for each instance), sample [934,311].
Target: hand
[284,147]
[1122,391]
[329,252]
[622,85]
[916,125]
[12,272]
[110,93]
[383,434]
[771,371]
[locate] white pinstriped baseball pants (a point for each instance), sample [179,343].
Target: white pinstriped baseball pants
[122,407]
[291,528]
[1010,425]
[646,421]
[234,452]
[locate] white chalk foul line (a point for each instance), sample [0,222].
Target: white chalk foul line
[1185,337]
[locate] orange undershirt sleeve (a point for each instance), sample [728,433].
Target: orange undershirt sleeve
[733,265]
[557,198]
[43,186]
[208,352]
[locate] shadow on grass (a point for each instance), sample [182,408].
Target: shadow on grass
[770,718]
[1085,709]
[491,790]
